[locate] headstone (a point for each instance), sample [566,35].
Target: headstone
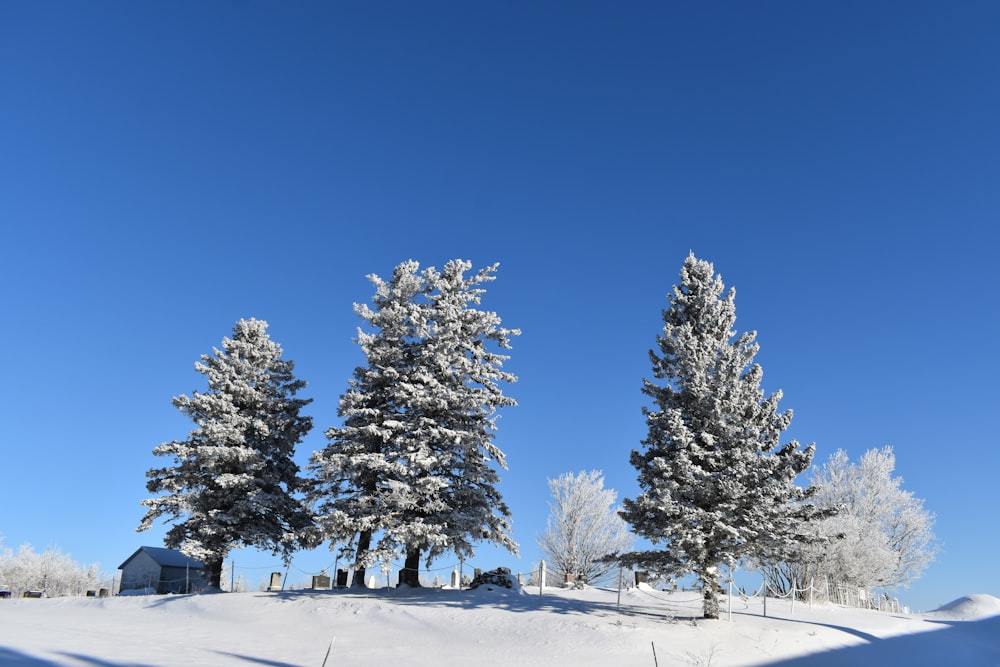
[341,578]
[275,582]
[103,593]
[91,594]
[641,578]
[321,582]
[455,582]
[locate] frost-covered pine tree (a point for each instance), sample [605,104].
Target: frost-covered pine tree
[717,485]
[233,481]
[451,496]
[355,479]
[411,469]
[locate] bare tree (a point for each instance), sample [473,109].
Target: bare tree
[583,528]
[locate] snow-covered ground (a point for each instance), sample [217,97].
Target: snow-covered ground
[421,627]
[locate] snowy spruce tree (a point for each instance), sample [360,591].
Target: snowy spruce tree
[412,471]
[356,478]
[717,485]
[452,501]
[233,482]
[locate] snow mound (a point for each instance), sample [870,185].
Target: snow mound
[969,607]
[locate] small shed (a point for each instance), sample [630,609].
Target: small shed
[160,570]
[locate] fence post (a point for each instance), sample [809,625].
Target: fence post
[541,577]
[765,598]
[619,588]
[730,596]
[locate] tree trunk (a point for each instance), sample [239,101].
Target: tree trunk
[710,594]
[364,543]
[410,574]
[214,571]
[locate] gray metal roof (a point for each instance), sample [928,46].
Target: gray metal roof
[166,558]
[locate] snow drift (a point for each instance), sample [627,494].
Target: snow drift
[968,607]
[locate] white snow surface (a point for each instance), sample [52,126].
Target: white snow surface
[424,627]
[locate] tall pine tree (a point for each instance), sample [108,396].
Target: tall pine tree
[233,481]
[356,478]
[717,485]
[413,464]
[453,501]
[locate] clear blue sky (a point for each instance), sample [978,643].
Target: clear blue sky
[168,168]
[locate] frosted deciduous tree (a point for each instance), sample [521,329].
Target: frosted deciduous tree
[717,484]
[414,461]
[583,528]
[880,537]
[233,481]
[51,571]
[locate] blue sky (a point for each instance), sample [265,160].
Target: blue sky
[168,168]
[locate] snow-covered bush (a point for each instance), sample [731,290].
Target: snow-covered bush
[500,577]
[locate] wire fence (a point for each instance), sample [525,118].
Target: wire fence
[460,576]
[843,595]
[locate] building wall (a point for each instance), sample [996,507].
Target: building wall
[180,580]
[140,572]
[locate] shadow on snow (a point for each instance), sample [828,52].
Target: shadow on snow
[11,658]
[966,643]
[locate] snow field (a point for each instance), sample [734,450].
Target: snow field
[424,627]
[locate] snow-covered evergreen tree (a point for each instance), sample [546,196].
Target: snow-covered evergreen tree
[414,460]
[583,528]
[451,459]
[717,485]
[233,482]
[356,477]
